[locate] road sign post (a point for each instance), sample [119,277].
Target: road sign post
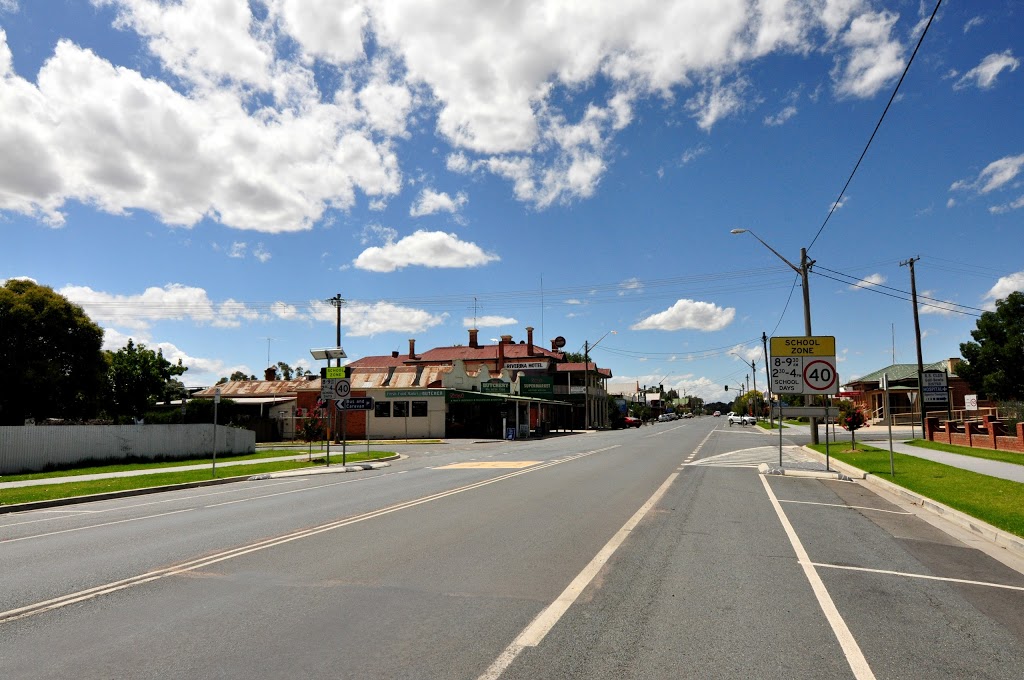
[804,365]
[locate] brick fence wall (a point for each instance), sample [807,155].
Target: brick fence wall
[988,433]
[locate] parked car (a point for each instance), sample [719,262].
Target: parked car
[665,417]
[632,421]
[742,419]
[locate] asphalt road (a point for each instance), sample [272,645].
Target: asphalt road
[657,552]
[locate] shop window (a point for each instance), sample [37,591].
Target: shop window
[382,409]
[419,409]
[401,409]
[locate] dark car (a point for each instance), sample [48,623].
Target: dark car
[632,421]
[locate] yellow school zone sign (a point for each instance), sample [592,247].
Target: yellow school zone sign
[804,346]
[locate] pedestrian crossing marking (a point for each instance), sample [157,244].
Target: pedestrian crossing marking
[753,457]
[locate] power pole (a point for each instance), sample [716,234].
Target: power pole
[917,337]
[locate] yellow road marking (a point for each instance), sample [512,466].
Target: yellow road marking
[514,464]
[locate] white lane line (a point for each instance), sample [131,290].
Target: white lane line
[927,577]
[5,541]
[303,490]
[132,581]
[533,634]
[116,508]
[721,465]
[851,507]
[854,655]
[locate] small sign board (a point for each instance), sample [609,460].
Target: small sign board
[355,404]
[334,372]
[804,365]
[327,389]
[971,402]
[342,388]
[934,389]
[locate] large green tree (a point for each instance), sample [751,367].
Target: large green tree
[137,378]
[995,360]
[50,356]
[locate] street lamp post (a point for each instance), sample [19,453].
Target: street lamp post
[805,266]
[586,377]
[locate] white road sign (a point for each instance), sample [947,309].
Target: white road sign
[327,389]
[804,365]
[342,388]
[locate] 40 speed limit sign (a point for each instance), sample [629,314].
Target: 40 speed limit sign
[804,365]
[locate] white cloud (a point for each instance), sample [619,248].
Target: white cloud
[270,114]
[951,202]
[868,282]
[688,314]
[926,306]
[9,6]
[781,117]
[996,174]
[489,321]
[174,302]
[237,250]
[434,249]
[973,22]
[984,74]
[261,253]
[694,153]
[1007,207]
[875,59]
[631,286]
[362,320]
[717,101]
[430,202]
[1004,286]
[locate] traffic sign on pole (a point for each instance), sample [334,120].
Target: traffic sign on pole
[342,388]
[804,365]
[355,404]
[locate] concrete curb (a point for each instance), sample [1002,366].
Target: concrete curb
[766,469]
[1003,539]
[73,500]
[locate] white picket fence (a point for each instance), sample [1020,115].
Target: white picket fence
[31,449]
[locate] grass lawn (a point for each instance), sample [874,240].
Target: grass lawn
[44,492]
[990,499]
[773,425]
[987,454]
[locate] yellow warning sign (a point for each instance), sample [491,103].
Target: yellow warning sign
[804,346]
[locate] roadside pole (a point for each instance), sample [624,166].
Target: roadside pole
[216,400]
[885,414]
[828,402]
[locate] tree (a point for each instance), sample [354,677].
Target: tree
[284,370]
[995,360]
[852,419]
[50,355]
[137,378]
[236,376]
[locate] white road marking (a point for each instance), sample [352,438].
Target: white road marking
[5,541]
[89,593]
[533,634]
[302,490]
[852,507]
[854,655]
[928,577]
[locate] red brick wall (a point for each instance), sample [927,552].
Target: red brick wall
[987,434]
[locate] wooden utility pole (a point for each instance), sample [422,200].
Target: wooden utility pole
[917,337]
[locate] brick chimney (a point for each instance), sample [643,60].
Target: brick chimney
[270,373]
[529,341]
[412,348]
[506,339]
[394,354]
[473,340]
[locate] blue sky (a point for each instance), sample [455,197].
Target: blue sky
[201,175]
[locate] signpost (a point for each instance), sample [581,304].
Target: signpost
[804,365]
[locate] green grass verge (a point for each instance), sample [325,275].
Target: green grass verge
[44,492]
[773,425]
[987,454]
[990,499]
[98,467]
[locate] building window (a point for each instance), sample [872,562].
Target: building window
[382,409]
[419,409]
[401,409]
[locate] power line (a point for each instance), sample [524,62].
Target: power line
[877,125]
[869,285]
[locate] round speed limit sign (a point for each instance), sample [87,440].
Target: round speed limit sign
[820,376]
[342,388]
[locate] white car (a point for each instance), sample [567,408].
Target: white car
[742,419]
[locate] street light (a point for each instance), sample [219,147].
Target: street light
[805,266]
[586,377]
[753,370]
